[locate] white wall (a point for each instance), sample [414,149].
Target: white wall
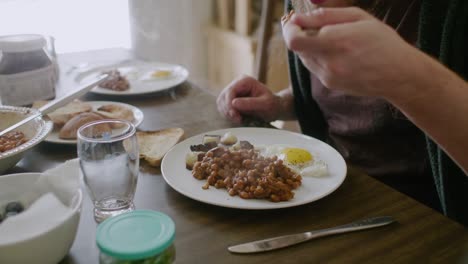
[171,31]
[76,25]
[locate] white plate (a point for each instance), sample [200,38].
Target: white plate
[178,177]
[137,113]
[135,71]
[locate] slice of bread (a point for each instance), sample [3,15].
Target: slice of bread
[155,144]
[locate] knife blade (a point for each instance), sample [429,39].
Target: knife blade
[289,240]
[55,104]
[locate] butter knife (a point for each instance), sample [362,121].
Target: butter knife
[55,104]
[289,240]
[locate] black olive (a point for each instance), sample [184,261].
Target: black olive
[16,207]
[12,213]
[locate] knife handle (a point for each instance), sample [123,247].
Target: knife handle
[354,226]
[289,240]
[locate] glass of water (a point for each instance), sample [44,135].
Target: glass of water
[109,159]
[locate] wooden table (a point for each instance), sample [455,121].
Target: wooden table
[203,232]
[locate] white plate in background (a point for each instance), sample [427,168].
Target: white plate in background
[137,113]
[137,73]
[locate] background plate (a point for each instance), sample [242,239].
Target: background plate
[134,71]
[137,113]
[178,177]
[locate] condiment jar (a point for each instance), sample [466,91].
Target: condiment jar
[28,71]
[140,236]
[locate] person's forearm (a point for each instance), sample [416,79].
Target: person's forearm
[286,98]
[437,102]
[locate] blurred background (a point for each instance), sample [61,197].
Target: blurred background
[215,39]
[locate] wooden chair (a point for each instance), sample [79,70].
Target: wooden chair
[264,36]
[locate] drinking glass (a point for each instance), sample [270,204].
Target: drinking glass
[109,159]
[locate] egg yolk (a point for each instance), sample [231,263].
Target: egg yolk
[161,74]
[296,156]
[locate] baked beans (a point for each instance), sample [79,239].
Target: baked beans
[247,174]
[11,140]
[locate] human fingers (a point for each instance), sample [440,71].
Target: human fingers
[329,16]
[266,107]
[297,39]
[249,104]
[245,86]
[242,87]
[225,108]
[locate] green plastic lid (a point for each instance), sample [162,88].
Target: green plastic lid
[135,235]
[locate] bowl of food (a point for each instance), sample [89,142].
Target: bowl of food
[38,230]
[14,144]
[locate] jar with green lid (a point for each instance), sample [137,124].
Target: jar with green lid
[140,236]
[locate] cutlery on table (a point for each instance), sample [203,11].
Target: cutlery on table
[55,104]
[289,240]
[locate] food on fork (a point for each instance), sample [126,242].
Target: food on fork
[12,140]
[300,7]
[303,6]
[115,81]
[70,129]
[155,144]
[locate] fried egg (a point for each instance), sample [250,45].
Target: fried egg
[158,74]
[297,159]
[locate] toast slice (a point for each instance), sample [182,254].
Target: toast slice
[155,144]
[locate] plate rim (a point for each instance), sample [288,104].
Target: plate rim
[271,205]
[46,127]
[82,75]
[73,141]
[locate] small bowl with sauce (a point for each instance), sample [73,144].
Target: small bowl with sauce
[14,145]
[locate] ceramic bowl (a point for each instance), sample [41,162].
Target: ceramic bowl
[45,246]
[35,131]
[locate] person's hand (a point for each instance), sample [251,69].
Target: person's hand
[352,51]
[248,97]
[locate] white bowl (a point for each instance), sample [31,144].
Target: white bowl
[35,131]
[47,246]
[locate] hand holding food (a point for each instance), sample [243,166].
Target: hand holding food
[352,51]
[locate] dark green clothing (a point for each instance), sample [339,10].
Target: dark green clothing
[443,33]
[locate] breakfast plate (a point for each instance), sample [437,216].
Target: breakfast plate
[137,113]
[312,188]
[143,77]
